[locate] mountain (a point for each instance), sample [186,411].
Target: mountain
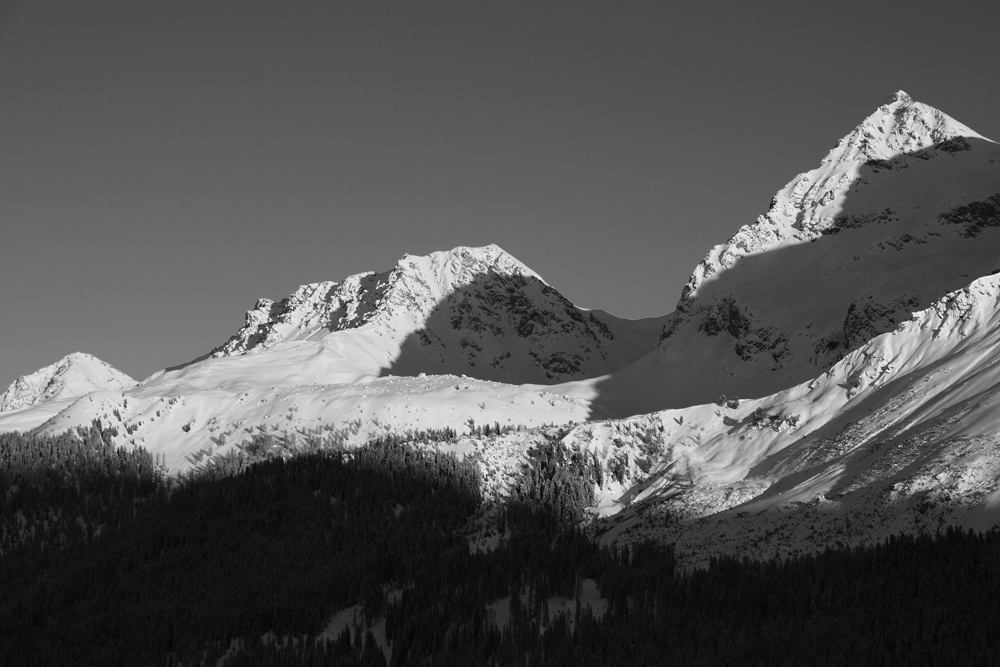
[73,375]
[440,341]
[828,376]
[472,311]
[902,211]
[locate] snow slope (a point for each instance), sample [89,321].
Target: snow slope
[73,375]
[904,209]
[184,424]
[902,434]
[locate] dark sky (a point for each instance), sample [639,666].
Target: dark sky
[164,164]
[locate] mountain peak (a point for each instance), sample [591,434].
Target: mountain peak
[73,375]
[411,290]
[897,97]
[899,134]
[899,126]
[459,266]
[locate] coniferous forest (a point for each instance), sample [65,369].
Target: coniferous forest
[107,560]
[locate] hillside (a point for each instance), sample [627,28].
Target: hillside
[901,435]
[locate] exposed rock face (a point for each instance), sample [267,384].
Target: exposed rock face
[73,375]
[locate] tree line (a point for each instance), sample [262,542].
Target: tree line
[245,561]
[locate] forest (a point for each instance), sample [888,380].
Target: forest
[105,559]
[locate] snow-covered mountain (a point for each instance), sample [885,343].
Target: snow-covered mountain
[903,210]
[472,311]
[439,341]
[857,320]
[73,375]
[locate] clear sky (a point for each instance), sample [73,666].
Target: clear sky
[165,163]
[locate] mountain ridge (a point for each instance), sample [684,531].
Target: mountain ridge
[472,311]
[844,253]
[833,362]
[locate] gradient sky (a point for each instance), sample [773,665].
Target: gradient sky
[164,164]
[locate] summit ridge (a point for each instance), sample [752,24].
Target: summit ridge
[409,291]
[473,311]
